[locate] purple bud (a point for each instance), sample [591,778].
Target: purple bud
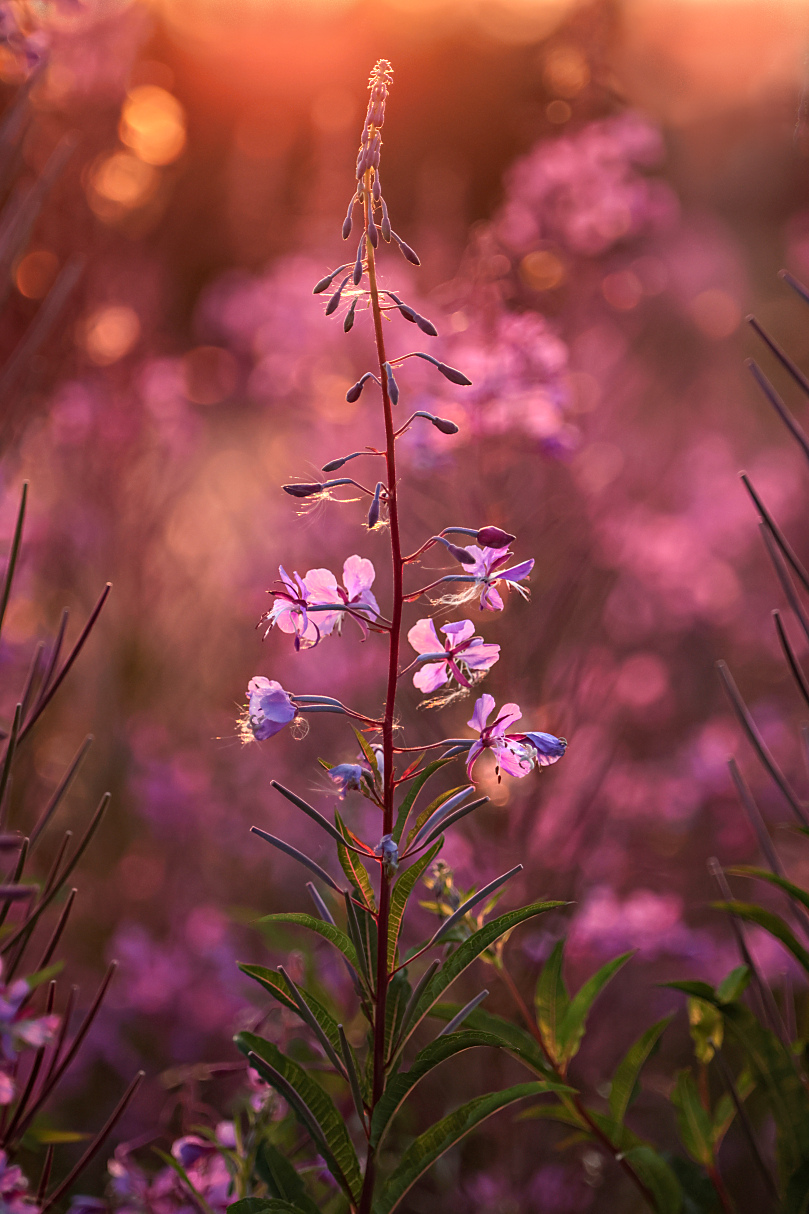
[303,490]
[334,302]
[494,537]
[327,281]
[393,387]
[348,222]
[376,189]
[455,377]
[407,252]
[373,513]
[353,393]
[426,325]
[385,227]
[373,235]
[333,465]
[446,427]
[405,309]
[460,554]
[358,263]
[348,323]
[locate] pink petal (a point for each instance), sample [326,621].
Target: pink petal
[483,708]
[358,575]
[321,586]
[459,631]
[431,676]
[490,599]
[481,656]
[424,638]
[507,715]
[474,754]
[517,572]
[511,760]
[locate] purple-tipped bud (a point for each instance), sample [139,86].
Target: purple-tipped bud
[494,537]
[334,464]
[446,427]
[385,226]
[460,554]
[334,302]
[348,323]
[348,222]
[358,263]
[376,189]
[454,376]
[327,281]
[373,513]
[393,387]
[373,235]
[426,325]
[303,490]
[353,393]
[407,252]
[405,309]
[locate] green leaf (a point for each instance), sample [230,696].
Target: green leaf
[467,952]
[400,1086]
[432,1144]
[399,992]
[366,750]
[281,1178]
[275,985]
[431,808]
[653,1171]
[313,1107]
[55,1137]
[327,930]
[415,788]
[401,892]
[625,1079]
[697,990]
[263,1205]
[707,1028]
[764,874]
[693,1121]
[570,1029]
[353,867]
[774,924]
[796,1198]
[50,971]
[519,1043]
[734,985]
[551,1001]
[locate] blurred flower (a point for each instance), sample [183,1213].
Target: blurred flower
[14,1197]
[346,776]
[269,707]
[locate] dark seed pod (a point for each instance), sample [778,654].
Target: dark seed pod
[353,393]
[348,323]
[357,276]
[455,377]
[393,387]
[407,252]
[385,226]
[303,490]
[494,537]
[446,427]
[327,281]
[334,302]
[373,513]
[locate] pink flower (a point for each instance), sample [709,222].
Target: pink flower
[487,572]
[358,577]
[289,611]
[465,654]
[511,755]
[269,708]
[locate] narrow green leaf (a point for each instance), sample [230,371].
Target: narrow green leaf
[625,1079]
[281,1179]
[309,1101]
[327,930]
[658,1177]
[432,1144]
[559,1113]
[263,1205]
[398,901]
[431,808]
[772,923]
[519,1043]
[353,867]
[415,788]
[551,1000]
[574,1021]
[733,986]
[697,990]
[275,985]
[693,1122]
[764,874]
[467,952]
[399,992]
[367,751]
[50,971]
[400,1086]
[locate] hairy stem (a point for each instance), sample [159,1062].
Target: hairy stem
[382,977]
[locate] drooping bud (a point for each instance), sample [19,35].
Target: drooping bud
[385,226]
[460,554]
[376,189]
[328,280]
[373,513]
[334,464]
[334,302]
[348,323]
[408,253]
[303,490]
[405,309]
[348,222]
[454,376]
[373,235]
[445,425]
[353,392]
[494,537]
[393,387]
[358,263]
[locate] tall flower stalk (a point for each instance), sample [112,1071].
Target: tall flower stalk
[389,773]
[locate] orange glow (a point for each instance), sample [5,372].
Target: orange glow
[542,270]
[121,180]
[35,273]
[109,334]
[153,124]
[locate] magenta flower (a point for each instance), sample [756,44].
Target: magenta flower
[462,654]
[358,577]
[487,572]
[289,611]
[14,1196]
[346,776]
[511,755]
[547,747]
[269,707]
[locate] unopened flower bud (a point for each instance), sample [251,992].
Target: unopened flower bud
[373,513]
[460,554]
[494,537]
[376,189]
[454,376]
[445,425]
[393,387]
[303,490]
[405,309]
[349,317]
[426,326]
[373,235]
[389,853]
[353,393]
[358,263]
[327,281]
[348,222]
[385,226]
[407,252]
[334,302]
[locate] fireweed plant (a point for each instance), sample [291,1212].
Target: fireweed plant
[395,992]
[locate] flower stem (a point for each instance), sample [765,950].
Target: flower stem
[382,976]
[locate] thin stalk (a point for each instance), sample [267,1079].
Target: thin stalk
[383,914]
[576,1101]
